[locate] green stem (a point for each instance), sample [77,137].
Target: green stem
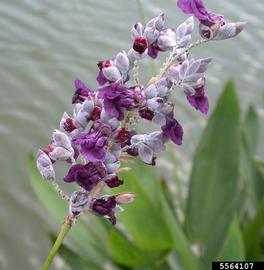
[68,222]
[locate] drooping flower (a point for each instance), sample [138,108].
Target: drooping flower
[105,206]
[113,181]
[148,145]
[87,176]
[164,42]
[199,100]
[93,143]
[81,92]
[172,129]
[79,202]
[118,98]
[44,165]
[198,9]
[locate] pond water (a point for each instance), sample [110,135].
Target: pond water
[46,45]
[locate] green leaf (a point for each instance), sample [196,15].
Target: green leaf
[214,178]
[233,248]
[252,128]
[149,220]
[253,236]
[251,173]
[174,261]
[250,170]
[126,253]
[144,218]
[89,238]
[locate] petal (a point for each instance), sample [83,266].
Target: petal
[145,153]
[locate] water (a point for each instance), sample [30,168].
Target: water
[45,45]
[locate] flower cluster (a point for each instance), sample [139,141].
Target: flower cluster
[101,131]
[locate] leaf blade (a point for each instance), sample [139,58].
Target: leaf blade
[214,177]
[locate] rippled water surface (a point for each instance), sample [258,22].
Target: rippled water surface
[45,45]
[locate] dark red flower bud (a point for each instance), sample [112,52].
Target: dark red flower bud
[114,182]
[95,115]
[132,151]
[69,125]
[122,135]
[146,113]
[140,44]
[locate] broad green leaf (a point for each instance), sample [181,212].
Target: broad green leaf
[168,195]
[214,178]
[249,168]
[174,261]
[233,248]
[149,220]
[252,129]
[253,236]
[89,238]
[126,253]
[72,259]
[251,173]
[144,218]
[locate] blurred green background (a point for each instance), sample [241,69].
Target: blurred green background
[46,45]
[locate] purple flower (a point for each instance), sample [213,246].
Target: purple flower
[117,99]
[93,143]
[146,113]
[148,145]
[105,207]
[172,129]
[113,181]
[87,176]
[197,8]
[199,100]
[79,201]
[111,71]
[81,92]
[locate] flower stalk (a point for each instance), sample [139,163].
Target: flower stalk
[65,228]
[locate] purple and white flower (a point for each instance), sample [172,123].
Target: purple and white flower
[102,131]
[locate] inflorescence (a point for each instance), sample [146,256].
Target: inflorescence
[101,133]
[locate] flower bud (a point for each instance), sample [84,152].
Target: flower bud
[67,124]
[159,21]
[112,167]
[134,55]
[113,181]
[167,39]
[163,86]
[151,34]
[44,166]
[173,73]
[47,173]
[209,32]
[79,201]
[140,45]
[146,113]
[88,106]
[122,62]
[61,153]
[183,32]
[112,73]
[151,91]
[229,30]
[137,30]
[61,139]
[127,197]
[43,159]
[81,119]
